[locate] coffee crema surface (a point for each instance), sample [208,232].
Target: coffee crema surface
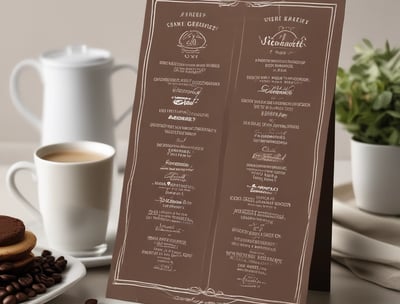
[73,156]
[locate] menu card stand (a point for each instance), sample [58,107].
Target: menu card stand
[228,159]
[320,270]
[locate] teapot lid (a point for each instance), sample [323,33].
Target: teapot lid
[76,56]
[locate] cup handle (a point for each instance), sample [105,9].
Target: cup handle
[12,186]
[14,90]
[116,68]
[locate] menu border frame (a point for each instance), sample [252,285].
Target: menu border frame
[117,280]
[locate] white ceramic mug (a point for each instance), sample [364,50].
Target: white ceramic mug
[77,99]
[74,189]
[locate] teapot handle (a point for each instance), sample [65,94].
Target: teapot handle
[15,94]
[116,68]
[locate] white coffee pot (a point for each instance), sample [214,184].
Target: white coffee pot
[77,94]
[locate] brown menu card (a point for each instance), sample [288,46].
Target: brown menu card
[227,149]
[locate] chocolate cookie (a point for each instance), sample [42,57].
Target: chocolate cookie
[17,267]
[19,250]
[12,230]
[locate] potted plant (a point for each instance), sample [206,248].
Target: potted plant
[367,103]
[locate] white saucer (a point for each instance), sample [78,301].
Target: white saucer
[90,262]
[97,261]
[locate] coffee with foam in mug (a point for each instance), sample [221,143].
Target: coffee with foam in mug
[73,156]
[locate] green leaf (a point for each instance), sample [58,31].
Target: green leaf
[372,131]
[395,88]
[394,137]
[381,119]
[358,70]
[357,57]
[382,101]
[387,46]
[387,73]
[394,114]
[393,62]
[368,43]
[373,73]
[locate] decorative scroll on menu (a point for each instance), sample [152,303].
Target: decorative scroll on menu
[226,153]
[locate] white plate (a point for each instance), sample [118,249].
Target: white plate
[89,262]
[74,272]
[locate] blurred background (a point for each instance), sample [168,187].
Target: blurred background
[27,28]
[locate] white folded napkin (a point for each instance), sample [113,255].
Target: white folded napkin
[368,244]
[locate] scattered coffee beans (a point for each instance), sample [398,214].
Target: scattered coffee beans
[45,272]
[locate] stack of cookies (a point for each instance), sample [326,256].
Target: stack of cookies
[16,244]
[22,274]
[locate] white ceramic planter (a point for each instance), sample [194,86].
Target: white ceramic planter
[376,177]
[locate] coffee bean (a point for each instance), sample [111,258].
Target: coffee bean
[45,265]
[57,277]
[62,264]
[6,267]
[46,253]
[10,288]
[21,296]
[47,281]
[50,259]
[25,281]
[3,293]
[16,285]
[30,292]
[50,282]
[10,299]
[48,271]
[40,277]
[36,278]
[39,287]
[91,301]
[61,258]
[7,277]
[34,270]
[57,268]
